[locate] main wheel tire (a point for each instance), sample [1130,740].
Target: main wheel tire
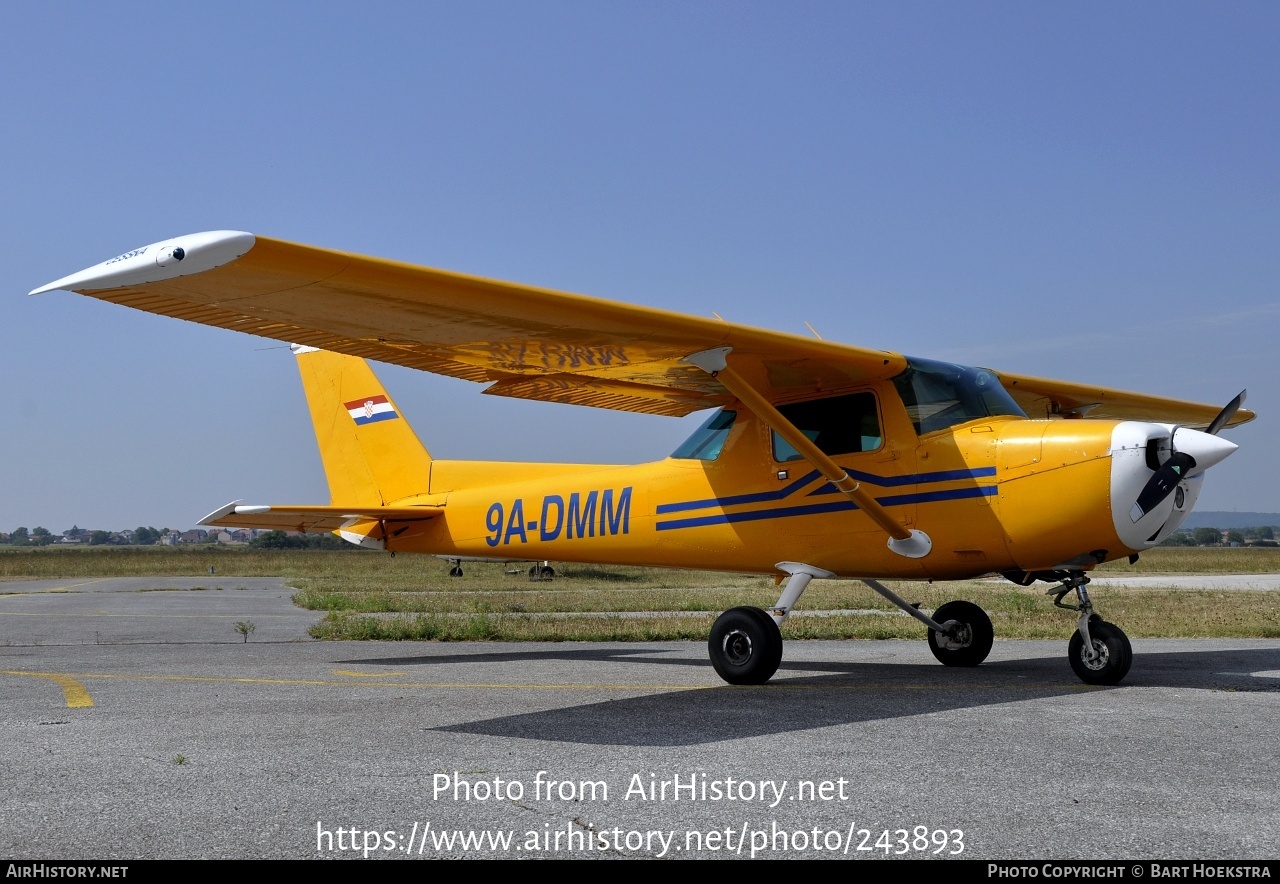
[972,645]
[745,646]
[547,572]
[1114,653]
[455,571]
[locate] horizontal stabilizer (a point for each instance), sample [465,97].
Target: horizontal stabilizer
[314,519]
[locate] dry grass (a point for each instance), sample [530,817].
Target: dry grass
[161,561]
[1202,560]
[370,595]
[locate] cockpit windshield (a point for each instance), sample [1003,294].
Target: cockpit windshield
[708,440]
[940,395]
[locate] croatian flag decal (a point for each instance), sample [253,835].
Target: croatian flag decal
[371,410]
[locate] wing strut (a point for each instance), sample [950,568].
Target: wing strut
[911,543]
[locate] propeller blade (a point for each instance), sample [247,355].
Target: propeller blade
[1226,414]
[1162,483]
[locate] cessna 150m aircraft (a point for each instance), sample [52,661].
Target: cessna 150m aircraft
[820,460]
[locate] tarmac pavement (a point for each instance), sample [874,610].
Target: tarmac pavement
[138,724]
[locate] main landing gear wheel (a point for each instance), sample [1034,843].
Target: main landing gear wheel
[1113,655]
[972,639]
[745,646]
[455,571]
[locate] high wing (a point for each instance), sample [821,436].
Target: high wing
[1041,397]
[524,342]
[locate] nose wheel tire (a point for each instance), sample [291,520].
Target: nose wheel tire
[1113,655]
[970,641]
[745,646]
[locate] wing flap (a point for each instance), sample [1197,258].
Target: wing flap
[604,393]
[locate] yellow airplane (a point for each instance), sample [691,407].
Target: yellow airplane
[820,460]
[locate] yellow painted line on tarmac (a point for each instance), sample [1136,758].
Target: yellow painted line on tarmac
[351,673]
[318,682]
[509,686]
[138,616]
[74,692]
[67,588]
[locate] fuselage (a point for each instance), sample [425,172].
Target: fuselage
[995,494]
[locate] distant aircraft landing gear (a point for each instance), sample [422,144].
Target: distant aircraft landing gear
[1099,652]
[538,571]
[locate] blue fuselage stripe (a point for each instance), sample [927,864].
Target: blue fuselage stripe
[834,506]
[737,499]
[826,488]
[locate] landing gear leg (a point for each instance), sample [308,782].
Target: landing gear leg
[960,633]
[1099,652]
[456,569]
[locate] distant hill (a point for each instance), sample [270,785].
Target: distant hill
[1228,520]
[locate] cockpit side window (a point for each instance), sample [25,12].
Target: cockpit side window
[708,440]
[839,425]
[938,395]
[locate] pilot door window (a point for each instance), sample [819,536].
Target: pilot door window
[840,425]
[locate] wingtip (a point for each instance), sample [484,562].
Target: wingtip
[168,259]
[220,513]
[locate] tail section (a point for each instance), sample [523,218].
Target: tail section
[371,455]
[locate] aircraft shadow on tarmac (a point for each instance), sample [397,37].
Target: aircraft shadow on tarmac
[843,693]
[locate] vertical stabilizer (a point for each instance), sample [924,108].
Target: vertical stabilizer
[370,453]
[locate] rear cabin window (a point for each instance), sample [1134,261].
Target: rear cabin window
[840,425]
[708,440]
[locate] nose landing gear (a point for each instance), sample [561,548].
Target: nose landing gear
[1099,652]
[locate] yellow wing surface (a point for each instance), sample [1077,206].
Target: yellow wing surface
[524,342]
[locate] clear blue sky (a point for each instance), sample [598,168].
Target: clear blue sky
[1087,191]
